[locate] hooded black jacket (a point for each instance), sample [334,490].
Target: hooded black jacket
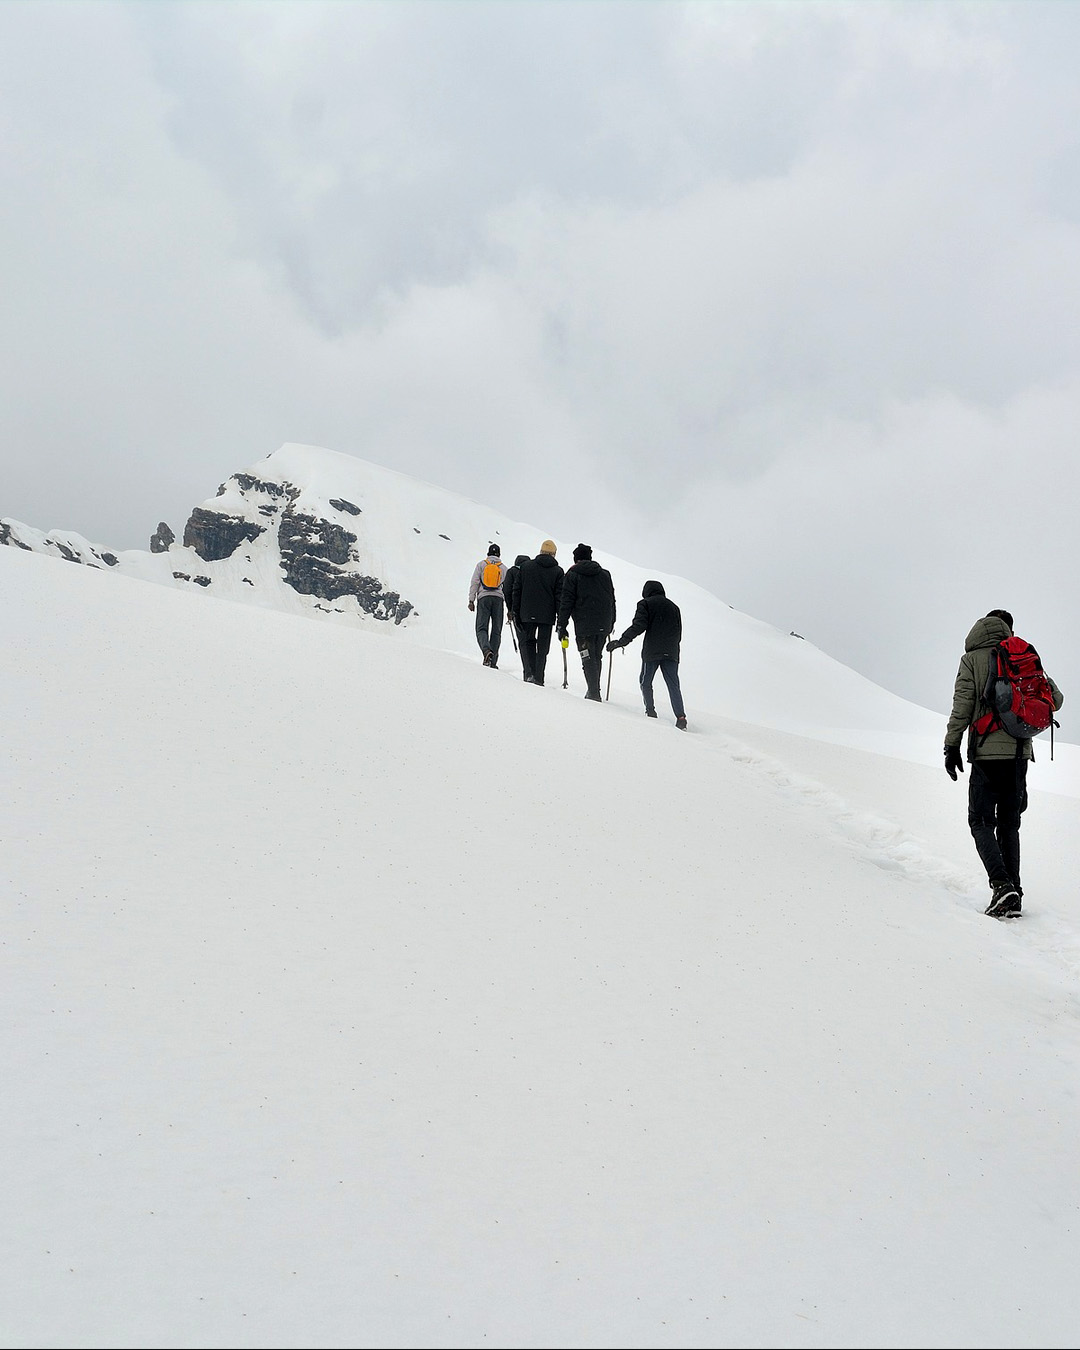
[538,584]
[588,597]
[510,581]
[660,619]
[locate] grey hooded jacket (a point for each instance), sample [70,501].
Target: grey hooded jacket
[968,705]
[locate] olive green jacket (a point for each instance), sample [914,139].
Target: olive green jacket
[968,705]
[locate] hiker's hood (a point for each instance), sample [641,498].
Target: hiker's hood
[521,558]
[987,632]
[652,588]
[589,567]
[546,560]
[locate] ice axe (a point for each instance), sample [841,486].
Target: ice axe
[610,663]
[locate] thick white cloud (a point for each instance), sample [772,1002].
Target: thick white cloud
[781,296]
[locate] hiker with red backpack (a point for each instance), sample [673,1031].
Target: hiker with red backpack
[486,600]
[1002,698]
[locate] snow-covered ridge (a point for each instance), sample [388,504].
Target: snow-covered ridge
[335,538]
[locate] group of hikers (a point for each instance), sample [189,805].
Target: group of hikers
[1002,697]
[536,597]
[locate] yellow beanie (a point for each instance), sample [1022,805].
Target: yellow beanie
[548,546]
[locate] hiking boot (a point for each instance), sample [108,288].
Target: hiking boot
[1004,901]
[680,722]
[650,712]
[530,679]
[489,660]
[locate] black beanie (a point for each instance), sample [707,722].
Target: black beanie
[494,551]
[583,553]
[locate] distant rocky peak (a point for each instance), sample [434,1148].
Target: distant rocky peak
[317,555]
[290,535]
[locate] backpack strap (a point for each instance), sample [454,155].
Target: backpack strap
[988,721]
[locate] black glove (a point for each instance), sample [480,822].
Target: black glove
[614,645]
[953,761]
[564,636]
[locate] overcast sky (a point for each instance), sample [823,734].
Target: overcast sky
[782,297]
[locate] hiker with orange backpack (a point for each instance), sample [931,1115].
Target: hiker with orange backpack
[486,600]
[1002,698]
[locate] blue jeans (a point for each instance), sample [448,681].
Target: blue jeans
[489,624]
[670,671]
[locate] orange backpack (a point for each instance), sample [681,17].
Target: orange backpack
[491,576]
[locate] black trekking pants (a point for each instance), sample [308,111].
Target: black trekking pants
[592,661]
[997,798]
[526,665]
[535,645]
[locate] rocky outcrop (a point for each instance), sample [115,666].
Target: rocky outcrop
[71,547]
[340,504]
[247,482]
[161,539]
[9,537]
[214,535]
[315,557]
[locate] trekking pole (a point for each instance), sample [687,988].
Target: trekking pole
[610,663]
[565,642]
[513,639]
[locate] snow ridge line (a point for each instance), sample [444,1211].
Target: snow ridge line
[888,846]
[885,842]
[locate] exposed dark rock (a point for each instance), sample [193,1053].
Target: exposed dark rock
[415,530]
[340,504]
[314,555]
[300,534]
[247,482]
[181,576]
[247,581]
[110,559]
[7,536]
[444,536]
[201,581]
[161,539]
[214,535]
[69,554]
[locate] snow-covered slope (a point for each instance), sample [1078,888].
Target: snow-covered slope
[354,995]
[315,532]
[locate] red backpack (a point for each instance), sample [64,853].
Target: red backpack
[1017,694]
